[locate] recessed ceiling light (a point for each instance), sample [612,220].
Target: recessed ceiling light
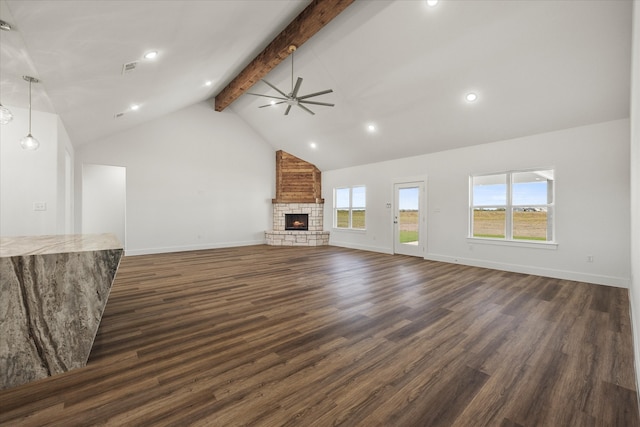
[135,107]
[151,55]
[272,102]
[313,145]
[371,127]
[471,97]
[208,83]
[432,3]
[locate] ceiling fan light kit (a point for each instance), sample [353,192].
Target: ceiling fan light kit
[292,97]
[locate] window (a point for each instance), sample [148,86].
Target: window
[350,208]
[513,206]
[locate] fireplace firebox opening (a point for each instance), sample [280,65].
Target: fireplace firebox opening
[296,221]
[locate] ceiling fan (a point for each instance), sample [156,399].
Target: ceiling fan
[292,98]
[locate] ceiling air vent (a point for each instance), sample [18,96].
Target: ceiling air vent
[129,67]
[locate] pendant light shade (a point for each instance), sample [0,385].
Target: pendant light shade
[5,115]
[29,142]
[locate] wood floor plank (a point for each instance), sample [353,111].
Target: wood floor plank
[276,336]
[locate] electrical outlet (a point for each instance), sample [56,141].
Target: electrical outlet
[589,258]
[39,206]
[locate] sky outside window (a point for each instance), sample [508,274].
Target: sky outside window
[528,188]
[342,198]
[490,195]
[358,195]
[530,193]
[408,199]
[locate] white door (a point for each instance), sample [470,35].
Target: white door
[104,200]
[408,219]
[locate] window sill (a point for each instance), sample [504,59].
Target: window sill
[514,243]
[350,230]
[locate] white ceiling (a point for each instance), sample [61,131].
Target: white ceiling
[537,66]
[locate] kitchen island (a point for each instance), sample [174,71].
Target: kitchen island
[53,291]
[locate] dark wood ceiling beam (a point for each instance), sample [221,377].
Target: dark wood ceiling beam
[311,20]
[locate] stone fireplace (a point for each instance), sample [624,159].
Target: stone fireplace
[298,209]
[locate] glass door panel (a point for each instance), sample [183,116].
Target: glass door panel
[408,219]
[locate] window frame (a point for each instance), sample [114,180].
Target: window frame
[350,208]
[509,208]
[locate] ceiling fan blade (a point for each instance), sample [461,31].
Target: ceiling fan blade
[304,101]
[269,105]
[306,109]
[266,96]
[275,88]
[288,109]
[322,92]
[294,92]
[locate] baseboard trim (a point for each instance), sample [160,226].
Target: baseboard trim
[619,282]
[169,249]
[360,247]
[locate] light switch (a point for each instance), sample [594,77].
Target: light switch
[39,206]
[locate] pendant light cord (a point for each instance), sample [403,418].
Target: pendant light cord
[30,106]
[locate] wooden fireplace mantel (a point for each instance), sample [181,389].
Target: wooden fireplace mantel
[297,200]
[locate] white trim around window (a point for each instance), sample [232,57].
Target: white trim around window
[515,207]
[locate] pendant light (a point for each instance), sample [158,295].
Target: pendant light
[29,142]
[5,115]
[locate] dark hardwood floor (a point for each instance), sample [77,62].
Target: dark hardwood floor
[329,336]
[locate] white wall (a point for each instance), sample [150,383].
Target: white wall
[195,179]
[634,289]
[592,202]
[32,176]
[104,192]
[64,182]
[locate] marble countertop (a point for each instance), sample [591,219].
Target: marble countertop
[56,289]
[41,245]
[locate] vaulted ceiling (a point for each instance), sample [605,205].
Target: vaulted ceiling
[403,66]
